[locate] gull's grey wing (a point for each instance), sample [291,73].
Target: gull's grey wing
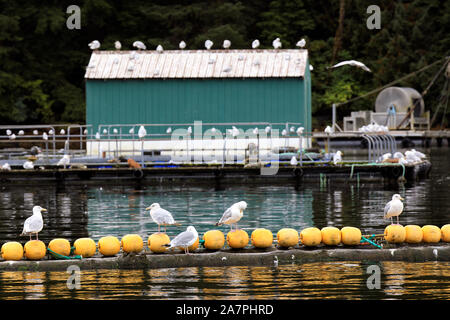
[32,224]
[387,208]
[226,215]
[183,239]
[162,216]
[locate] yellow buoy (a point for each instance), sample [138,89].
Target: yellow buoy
[431,234]
[350,236]
[109,246]
[331,236]
[12,251]
[85,247]
[287,237]
[214,239]
[132,243]
[414,234]
[60,246]
[35,250]
[262,238]
[237,239]
[157,241]
[194,246]
[311,236]
[395,233]
[445,233]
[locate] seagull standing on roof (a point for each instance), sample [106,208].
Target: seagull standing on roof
[94,45]
[255,44]
[394,208]
[161,216]
[208,44]
[159,48]
[139,45]
[226,44]
[276,43]
[182,45]
[117,45]
[35,223]
[328,130]
[301,43]
[233,214]
[28,165]
[351,63]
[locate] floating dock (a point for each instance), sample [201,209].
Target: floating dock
[160,174]
[245,257]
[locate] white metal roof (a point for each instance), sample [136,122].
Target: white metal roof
[197,64]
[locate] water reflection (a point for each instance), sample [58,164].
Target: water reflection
[332,280]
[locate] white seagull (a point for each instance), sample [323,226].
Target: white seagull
[300,130]
[276,43]
[255,44]
[208,44]
[142,132]
[28,165]
[159,48]
[294,161]
[418,154]
[185,239]
[35,223]
[226,44]
[328,130]
[117,45]
[64,161]
[8,132]
[352,63]
[233,214]
[301,43]
[393,208]
[6,167]
[161,216]
[182,45]
[337,157]
[139,45]
[94,45]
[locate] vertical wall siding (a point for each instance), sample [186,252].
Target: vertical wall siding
[208,100]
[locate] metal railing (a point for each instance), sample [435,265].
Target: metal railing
[378,145]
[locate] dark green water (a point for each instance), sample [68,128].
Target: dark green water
[99,211]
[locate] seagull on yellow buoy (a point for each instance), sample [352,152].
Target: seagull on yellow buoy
[35,223]
[233,214]
[393,208]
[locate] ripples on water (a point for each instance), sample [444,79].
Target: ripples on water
[97,211]
[330,280]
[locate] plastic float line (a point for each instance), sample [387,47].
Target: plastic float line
[364,239]
[60,256]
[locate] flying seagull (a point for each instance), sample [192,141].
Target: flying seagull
[352,63]
[35,223]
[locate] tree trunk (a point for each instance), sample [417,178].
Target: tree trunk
[338,36]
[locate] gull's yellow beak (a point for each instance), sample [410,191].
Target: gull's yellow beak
[148,208]
[43,210]
[401,198]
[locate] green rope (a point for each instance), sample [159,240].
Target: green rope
[60,256]
[351,171]
[202,243]
[363,239]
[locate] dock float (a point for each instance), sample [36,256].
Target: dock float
[244,257]
[201,174]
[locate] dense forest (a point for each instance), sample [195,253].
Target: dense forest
[42,62]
